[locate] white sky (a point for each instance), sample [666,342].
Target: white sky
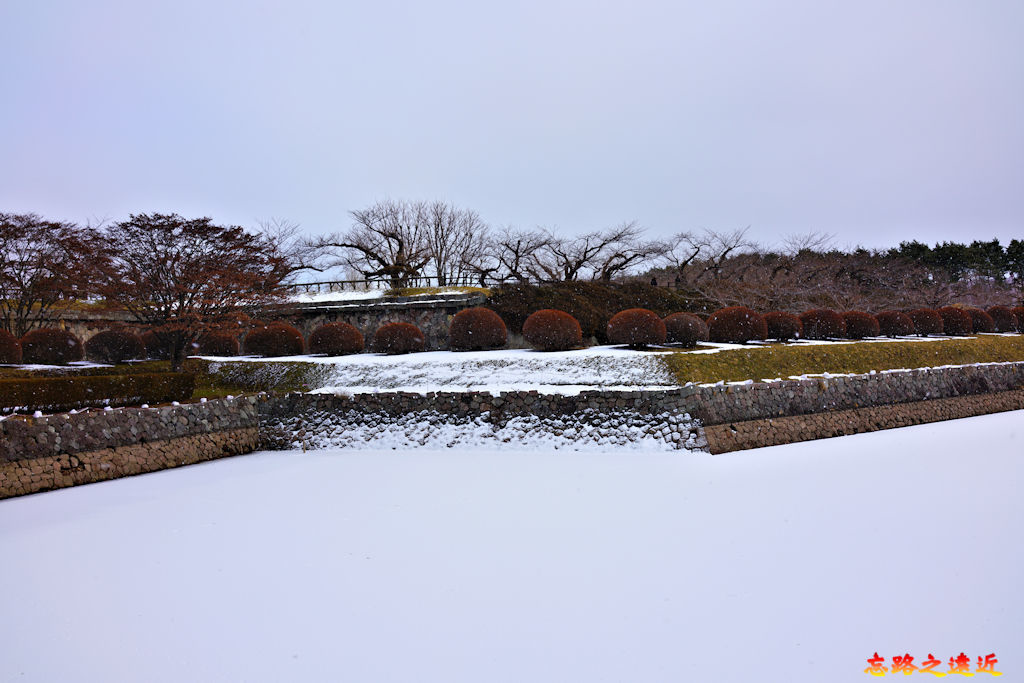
[875,120]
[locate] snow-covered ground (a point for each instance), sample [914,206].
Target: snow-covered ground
[793,563]
[495,371]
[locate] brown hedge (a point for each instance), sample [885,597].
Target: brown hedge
[860,325]
[636,328]
[114,346]
[275,339]
[981,321]
[336,339]
[10,349]
[591,303]
[685,329]
[926,321]
[475,329]
[894,324]
[956,322]
[783,326]
[394,338]
[58,394]
[737,325]
[551,330]
[1019,312]
[217,344]
[1004,318]
[51,346]
[823,323]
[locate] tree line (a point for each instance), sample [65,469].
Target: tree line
[185,275]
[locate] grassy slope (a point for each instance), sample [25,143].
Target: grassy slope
[769,362]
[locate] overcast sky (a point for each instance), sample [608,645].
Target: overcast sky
[875,120]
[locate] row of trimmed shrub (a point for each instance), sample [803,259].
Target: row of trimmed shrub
[547,329]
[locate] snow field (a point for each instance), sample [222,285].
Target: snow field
[792,563]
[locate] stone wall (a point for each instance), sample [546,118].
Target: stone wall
[38,454]
[739,402]
[446,419]
[678,417]
[734,436]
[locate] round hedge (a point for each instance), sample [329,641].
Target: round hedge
[1004,318]
[217,344]
[636,328]
[475,329]
[685,329]
[783,326]
[114,346]
[823,323]
[860,325]
[926,321]
[336,339]
[551,330]
[394,338]
[50,346]
[981,320]
[894,324]
[956,321]
[10,349]
[736,325]
[275,339]
[1019,312]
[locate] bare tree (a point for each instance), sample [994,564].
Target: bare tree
[515,253]
[454,238]
[600,255]
[297,253]
[387,240]
[41,263]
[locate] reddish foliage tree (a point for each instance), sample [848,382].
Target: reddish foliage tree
[955,321]
[1004,318]
[474,329]
[50,346]
[114,346]
[737,325]
[823,323]
[551,330]
[41,263]
[336,339]
[685,329]
[860,325]
[926,321]
[10,349]
[218,344]
[275,339]
[895,324]
[636,328]
[394,338]
[183,276]
[783,326]
[981,321]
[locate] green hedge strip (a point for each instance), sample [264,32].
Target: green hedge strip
[771,361]
[58,394]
